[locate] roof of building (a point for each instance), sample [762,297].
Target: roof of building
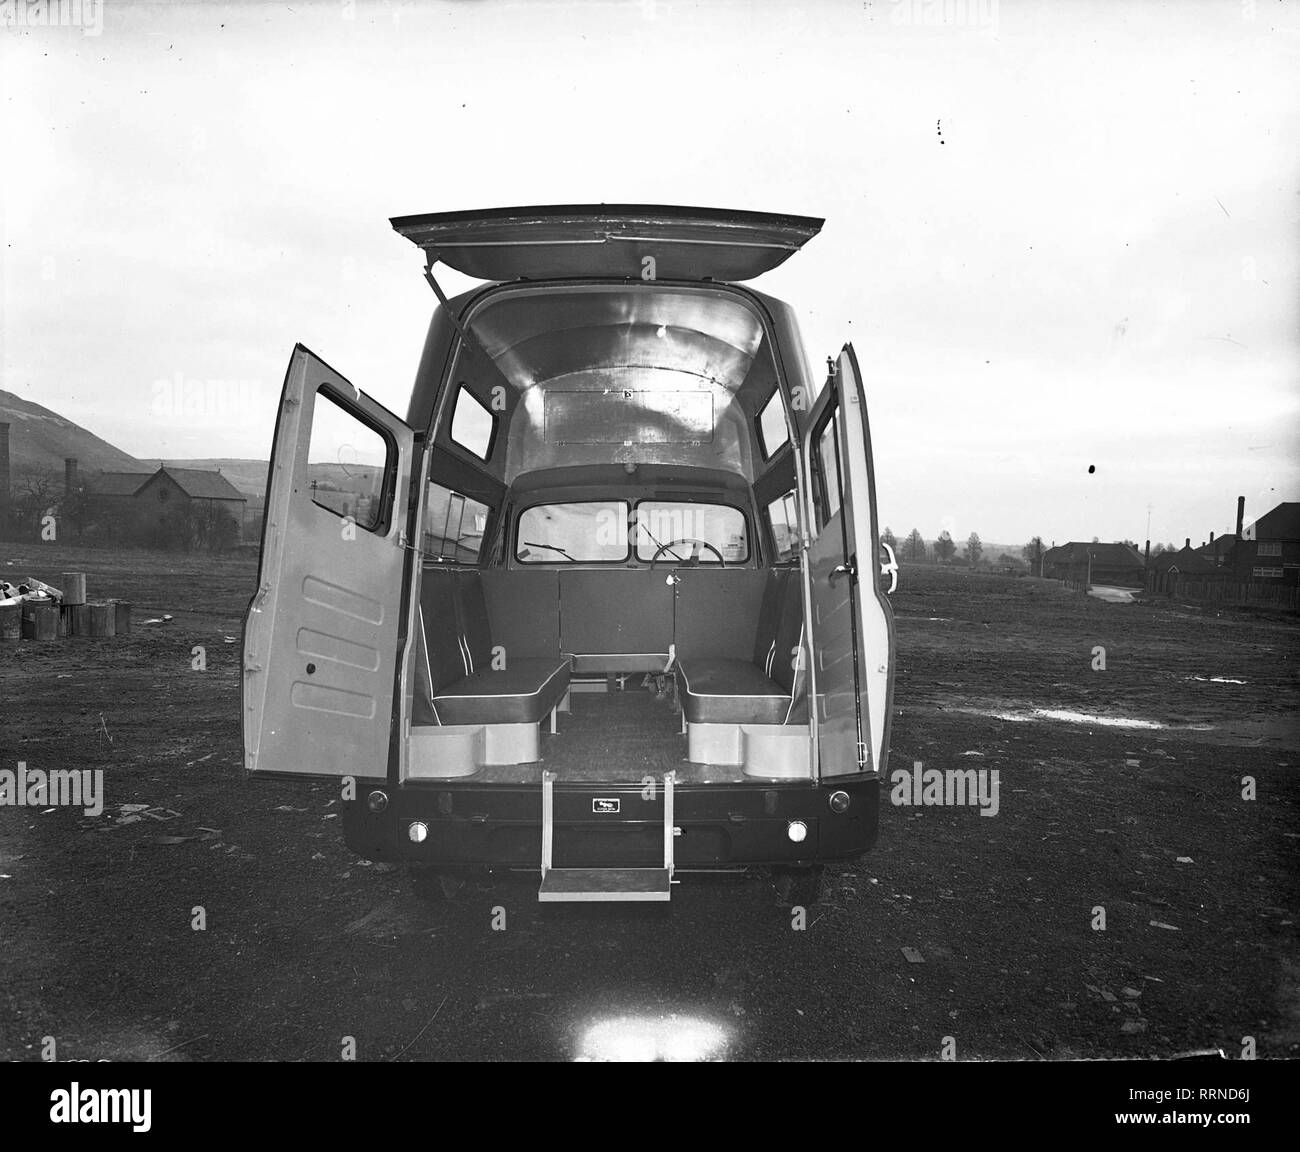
[196,483]
[1185,560]
[1076,552]
[117,483]
[1282,523]
[1219,545]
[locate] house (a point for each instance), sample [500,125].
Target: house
[169,505]
[1219,550]
[1187,561]
[1270,547]
[1110,563]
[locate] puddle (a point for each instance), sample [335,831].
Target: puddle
[1063,715]
[1112,595]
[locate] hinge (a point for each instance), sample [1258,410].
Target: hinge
[864,757]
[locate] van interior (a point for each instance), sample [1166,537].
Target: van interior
[609,585]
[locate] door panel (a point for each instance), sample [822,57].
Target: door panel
[852,624]
[321,635]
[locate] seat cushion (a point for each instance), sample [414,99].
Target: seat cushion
[715,691]
[521,693]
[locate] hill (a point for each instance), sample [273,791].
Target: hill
[40,440]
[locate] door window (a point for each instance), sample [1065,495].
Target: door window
[472,424]
[782,518]
[826,462]
[347,462]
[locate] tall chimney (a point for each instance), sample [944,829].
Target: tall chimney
[4,477]
[1211,537]
[1241,514]
[1146,556]
[1187,543]
[69,475]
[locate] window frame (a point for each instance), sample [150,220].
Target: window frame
[442,557]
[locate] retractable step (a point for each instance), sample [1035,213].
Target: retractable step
[611,884]
[605,884]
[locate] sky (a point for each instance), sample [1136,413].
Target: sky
[1062,237]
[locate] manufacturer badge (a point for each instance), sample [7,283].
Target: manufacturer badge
[602,806]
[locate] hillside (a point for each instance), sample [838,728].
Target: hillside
[40,440]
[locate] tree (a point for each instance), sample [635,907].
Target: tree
[888,538]
[1006,560]
[915,546]
[1033,554]
[1096,539]
[944,548]
[974,549]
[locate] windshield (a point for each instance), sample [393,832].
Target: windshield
[596,531]
[588,532]
[673,530]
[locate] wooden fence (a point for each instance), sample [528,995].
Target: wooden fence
[1225,590]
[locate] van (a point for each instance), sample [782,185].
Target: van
[606,606]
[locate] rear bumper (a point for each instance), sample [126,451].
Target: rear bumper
[722,826]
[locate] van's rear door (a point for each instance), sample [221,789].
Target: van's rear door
[321,636]
[852,623]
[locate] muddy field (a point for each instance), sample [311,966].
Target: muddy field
[304,945]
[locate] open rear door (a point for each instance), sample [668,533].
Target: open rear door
[321,636]
[852,624]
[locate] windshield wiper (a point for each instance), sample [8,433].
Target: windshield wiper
[553,548]
[656,543]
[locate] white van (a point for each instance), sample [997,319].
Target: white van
[605,606]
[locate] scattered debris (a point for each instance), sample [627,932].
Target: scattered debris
[1161,924]
[1132,1026]
[913,956]
[1183,860]
[1131,993]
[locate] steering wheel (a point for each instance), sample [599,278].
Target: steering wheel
[695,551]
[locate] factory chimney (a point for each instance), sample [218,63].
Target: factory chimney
[1241,514]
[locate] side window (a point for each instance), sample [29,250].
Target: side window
[772,430]
[782,518]
[473,424]
[453,525]
[827,465]
[347,464]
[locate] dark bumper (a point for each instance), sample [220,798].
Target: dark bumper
[722,826]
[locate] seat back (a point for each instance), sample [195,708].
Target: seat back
[717,610]
[523,608]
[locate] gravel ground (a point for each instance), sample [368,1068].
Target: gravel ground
[960,930]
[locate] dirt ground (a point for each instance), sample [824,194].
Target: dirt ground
[305,946]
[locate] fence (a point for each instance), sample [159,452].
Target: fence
[1225,590]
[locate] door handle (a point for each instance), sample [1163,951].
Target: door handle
[840,570]
[890,569]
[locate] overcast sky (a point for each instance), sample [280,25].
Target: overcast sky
[1059,235]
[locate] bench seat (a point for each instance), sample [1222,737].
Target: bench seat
[524,692]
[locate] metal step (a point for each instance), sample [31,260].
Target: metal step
[605,884]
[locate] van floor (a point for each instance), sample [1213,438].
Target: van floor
[614,738]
